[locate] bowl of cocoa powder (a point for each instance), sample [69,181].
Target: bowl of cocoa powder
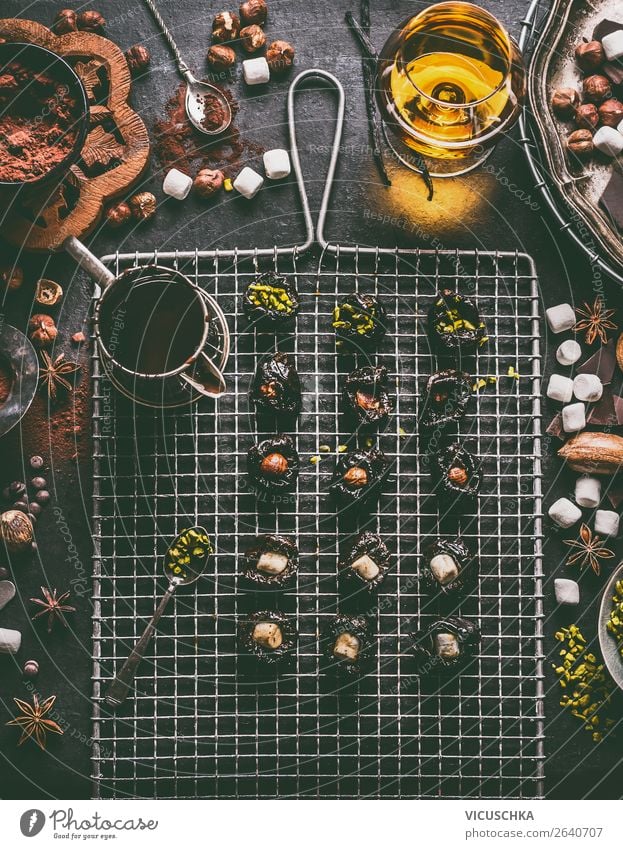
[43,115]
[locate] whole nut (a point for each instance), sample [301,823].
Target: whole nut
[564,102]
[118,214]
[589,55]
[274,465]
[91,21]
[587,116]
[42,330]
[11,276]
[611,112]
[254,12]
[16,530]
[280,56]
[208,182]
[458,475]
[356,477]
[221,57]
[593,453]
[48,292]
[253,38]
[596,88]
[65,21]
[225,27]
[580,143]
[143,205]
[138,58]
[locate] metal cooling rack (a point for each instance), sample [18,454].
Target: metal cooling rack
[202,724]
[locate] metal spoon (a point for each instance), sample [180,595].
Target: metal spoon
[178,576]
[198,93]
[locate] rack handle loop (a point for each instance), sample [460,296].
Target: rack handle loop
[318,234]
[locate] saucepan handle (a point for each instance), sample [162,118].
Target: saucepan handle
[212,385]
[96,269]
[315,73]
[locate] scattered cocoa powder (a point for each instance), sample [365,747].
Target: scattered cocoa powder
[179,145]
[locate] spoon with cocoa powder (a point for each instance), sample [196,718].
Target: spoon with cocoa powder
[207,108]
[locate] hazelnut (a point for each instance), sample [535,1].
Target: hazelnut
[253,38]
[611,112]
[11,277]
[269,390]
[457,475]
[91,21]
[274,465]
[596,88]
[42,330]
[280,56]
[580,143]
[221,57]
[225,27]
[356,477]
[118,214]
[367,400]
[589,55]
[65,21]
[138,58]
[587,116]
[254,12]
[564,102]
[208,182]
[48,292]
[143,205]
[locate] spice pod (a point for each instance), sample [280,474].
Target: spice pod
[273,464]
[446,646]
[365,396]
[358,477]
[270,302]
[276,387]
[454,326]
[359,323]
[456,476]
[270,563]
[448,569]
[347,645]
[445,398]
[366,564]
[268,636]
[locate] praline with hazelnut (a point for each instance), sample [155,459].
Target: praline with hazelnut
[273,464]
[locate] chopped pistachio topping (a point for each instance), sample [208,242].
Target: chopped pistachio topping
[614,624]
[271,298]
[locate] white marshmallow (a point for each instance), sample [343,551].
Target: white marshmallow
[560,318]
[564,512]
[566,591]
[568,353]
[588,492]
[10,641]
[574,417]
[256,71]
[613,45]
[606,523]
[560,388]
[608,141]
[587,387]
[277,164]
[248,183]
[177,184]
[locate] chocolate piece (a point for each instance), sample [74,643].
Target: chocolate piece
[601,363]
[605,27]
[555,428]
[614,72]
[618,408]
[615,493]
[611,200]
[604,413]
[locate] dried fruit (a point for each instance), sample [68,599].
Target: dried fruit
[270,301]
[11,277]
[347,644]
[365,395]
[271,562]
[42,330]
[359,322]
[138,58]
[456,475]
[445,646]
[454,325]
[358,477]
[448,568]
[594,453]
[273,464]
[280,56]
[48,292]
[445,398]
[366,564]
[268,636]
[276,386]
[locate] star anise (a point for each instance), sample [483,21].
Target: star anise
[32,720]
[595,320]
[52,374]
[589,550]
[54,606]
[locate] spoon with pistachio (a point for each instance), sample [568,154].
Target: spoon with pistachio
[185,561]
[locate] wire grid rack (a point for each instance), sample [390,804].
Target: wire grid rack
[203,723]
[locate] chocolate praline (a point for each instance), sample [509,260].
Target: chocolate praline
[365,395]
[276,386]
[347,645]
[445,398]
[454,326]
[366,564]
[270,563]
[271,302]
[280,630]
[448,569]
[446,646]
[359,476]
[273,464]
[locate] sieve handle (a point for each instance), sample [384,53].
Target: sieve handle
[318,235]
[96,269]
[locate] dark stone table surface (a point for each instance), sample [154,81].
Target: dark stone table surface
[497,209]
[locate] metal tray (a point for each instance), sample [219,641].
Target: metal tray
[612,658]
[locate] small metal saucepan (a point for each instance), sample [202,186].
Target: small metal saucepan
[163,341]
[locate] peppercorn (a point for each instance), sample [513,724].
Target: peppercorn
[254,12]
[42,497]
[207,182]
[42,330]
[143,205]
[31,669]
[36,462]
[280,56]
[589,55]
[12,277]
[580,143]
[253,38]
[225,27]
[221,57]
[138,58]
[65,21]
[118,214]
[39,483]
[596,88]
[91,21]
